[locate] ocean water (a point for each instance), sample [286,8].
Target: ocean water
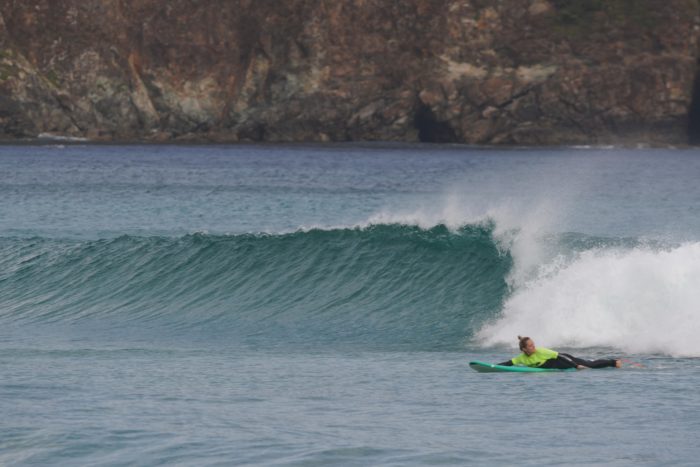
[318,305]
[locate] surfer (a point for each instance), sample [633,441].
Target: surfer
[546,358]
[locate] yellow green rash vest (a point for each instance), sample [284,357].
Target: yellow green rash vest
[540,356]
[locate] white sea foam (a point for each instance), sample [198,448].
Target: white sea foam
[640,301]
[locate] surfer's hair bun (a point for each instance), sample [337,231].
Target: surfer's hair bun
[522,342]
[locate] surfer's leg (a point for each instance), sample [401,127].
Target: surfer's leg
[560,363]
[601,363]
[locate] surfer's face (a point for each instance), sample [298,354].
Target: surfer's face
[529,347]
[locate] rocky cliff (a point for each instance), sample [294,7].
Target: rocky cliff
[476,71]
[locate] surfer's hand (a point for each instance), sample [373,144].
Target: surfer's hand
[581,367]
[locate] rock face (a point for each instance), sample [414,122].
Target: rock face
[475,71]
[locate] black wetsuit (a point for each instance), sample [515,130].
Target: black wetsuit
[565,361]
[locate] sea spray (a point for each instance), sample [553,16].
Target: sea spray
[520,227]
[642,299]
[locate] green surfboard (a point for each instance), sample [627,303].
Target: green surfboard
[482,367]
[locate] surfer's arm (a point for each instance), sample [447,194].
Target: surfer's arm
[507,363]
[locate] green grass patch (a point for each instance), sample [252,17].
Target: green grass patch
[6,53]
[7,71]
[578,18]
[52,78]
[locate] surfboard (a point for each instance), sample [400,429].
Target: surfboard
[483,367]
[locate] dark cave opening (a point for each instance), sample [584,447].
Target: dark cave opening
[430,129]
[694,113]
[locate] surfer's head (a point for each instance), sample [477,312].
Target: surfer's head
[527,345]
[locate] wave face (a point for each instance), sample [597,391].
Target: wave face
[383,285]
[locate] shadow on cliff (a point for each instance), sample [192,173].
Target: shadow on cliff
[694,112]
[430,129]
